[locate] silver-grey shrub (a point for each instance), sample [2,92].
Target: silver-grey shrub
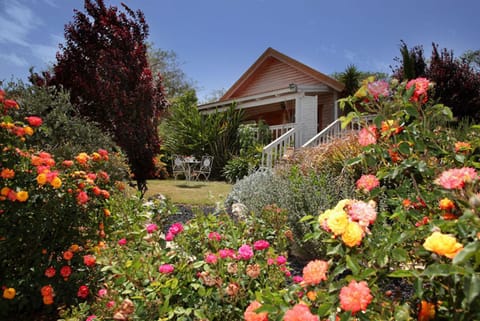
[259,189]
[299,193]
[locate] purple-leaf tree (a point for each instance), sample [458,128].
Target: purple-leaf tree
[104,65]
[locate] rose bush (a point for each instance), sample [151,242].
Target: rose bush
[418,255]
[53,218]
[208,268]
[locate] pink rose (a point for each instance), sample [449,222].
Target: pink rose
[176,228]
[281,260]
[214,236]
[367,136]
[261,245]
[166,268]
[224,253]
[102,292]
[245,252]
[122,242]
[169,237]
[211,258]
[152,228]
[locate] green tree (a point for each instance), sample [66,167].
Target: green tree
[166,64]
[412,63]
[472,58]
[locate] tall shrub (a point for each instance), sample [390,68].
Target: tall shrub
[185,131]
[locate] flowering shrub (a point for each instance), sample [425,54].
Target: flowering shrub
[407,246]
[208,268]
[401,243]
[53,218]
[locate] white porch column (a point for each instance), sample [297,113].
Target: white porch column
[335,105]
[306,118]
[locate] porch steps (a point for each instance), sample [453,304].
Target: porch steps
[284,146]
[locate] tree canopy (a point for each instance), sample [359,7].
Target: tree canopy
[104,65]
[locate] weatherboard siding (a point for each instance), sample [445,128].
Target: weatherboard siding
[271,76]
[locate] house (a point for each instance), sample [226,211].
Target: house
[295,100]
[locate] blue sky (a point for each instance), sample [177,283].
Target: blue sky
[217,40]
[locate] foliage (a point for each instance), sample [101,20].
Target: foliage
[472,58]
[313,180]
[248,159]
[165,63]
[351,77]
[185,131]
[208,268]
[412,63]
[104,66]
[53,217]
[257,190]
[457,83]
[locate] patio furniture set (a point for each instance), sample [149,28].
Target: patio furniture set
[192,168]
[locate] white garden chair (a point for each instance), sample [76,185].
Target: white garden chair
[205,168]
[178,166]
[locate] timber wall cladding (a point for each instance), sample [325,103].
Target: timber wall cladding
[274,75]
[326,100]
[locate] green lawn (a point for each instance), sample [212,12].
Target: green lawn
[192,193]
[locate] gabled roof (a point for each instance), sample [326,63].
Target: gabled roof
[265,59]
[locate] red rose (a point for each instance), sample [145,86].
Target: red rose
[83,292]
[34,121]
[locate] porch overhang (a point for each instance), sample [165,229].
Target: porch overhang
[293,91]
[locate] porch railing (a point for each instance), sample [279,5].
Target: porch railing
[334,130]
[278,130]
[274,151]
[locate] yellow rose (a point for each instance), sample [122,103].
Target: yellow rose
[341,205]
[28,130]
[56,182]
[353,234]
[42,179]
[22,196]
[322,219]
[337,221]
[442,244]
[9,293]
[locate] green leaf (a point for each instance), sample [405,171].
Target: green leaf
[401,274]
[354,161]
[467,252]
[324,309]
[353,265]
[436,270]
[418,285]
[201,291]
[198,264]
[460,158]
[400,255]
[412,111]
[306,218]
[472,288]
[404,148]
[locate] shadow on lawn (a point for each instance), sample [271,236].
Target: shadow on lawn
[190,186]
